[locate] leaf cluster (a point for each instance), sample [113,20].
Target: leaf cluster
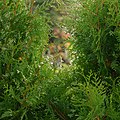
[22,39]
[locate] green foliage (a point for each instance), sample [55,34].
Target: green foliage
[53,10]
[87,90]
[75,100]
[97,49]
[56,89]
[91,100]
[22,39]
[97,34]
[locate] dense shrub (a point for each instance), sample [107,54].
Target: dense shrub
[31,89]
[97,48]
[22,39]
[97,34]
